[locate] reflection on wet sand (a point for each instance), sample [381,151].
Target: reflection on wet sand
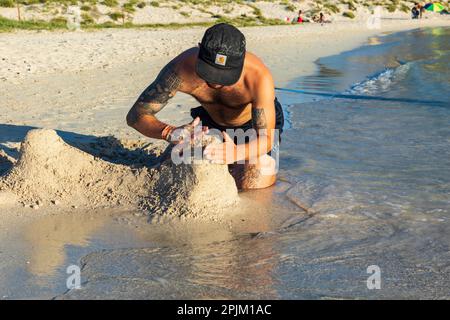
[227,259]
[47,238]
[374,41]
[238,268]
[240,264]
[194,259]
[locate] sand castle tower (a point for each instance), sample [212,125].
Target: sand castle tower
[204,189]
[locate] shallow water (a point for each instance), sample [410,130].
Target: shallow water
[373,176]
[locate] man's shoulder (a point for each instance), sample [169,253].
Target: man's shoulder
[184,64]
[185,59]
[256,66]
[257,72]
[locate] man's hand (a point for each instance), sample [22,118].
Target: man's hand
[222,153]
[188,132]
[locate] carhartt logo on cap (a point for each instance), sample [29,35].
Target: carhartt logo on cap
[221,59]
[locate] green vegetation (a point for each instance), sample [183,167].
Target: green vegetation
[129,7]
[110,3]
[392,7]
[350,4]
[245,21]
[195,2]
[10,25]
[405,8]
[30,2]
[86,19]
[7,3]
[121,13]
[349,14]
[7,25]
[127,25]
[290,7]
[256,11]
[91,2]
[331,8]
[116,15]
[59,21]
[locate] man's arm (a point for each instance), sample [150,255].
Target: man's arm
[263,121]
[142,115]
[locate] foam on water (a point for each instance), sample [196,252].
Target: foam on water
[381,82]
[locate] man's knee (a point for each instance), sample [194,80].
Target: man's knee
[259,175]
[267,165]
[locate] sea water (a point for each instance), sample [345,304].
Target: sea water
[382,156]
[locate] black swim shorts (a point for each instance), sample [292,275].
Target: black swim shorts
[207,121]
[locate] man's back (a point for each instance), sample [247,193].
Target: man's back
[230,106]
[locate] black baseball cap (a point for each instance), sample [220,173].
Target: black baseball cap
[221,56]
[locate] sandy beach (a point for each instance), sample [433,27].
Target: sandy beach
[83,84]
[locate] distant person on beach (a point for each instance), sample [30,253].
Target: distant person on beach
[235,91]
[320,19]
[421,10]
[299,18]
[415,12]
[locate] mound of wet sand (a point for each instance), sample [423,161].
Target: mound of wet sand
[52,173]
[200,188]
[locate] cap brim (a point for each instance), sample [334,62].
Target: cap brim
[211,74]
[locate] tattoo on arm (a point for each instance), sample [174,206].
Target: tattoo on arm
[162,89]
[259,120]
[156,96]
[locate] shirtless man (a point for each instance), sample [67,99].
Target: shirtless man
[235,90]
